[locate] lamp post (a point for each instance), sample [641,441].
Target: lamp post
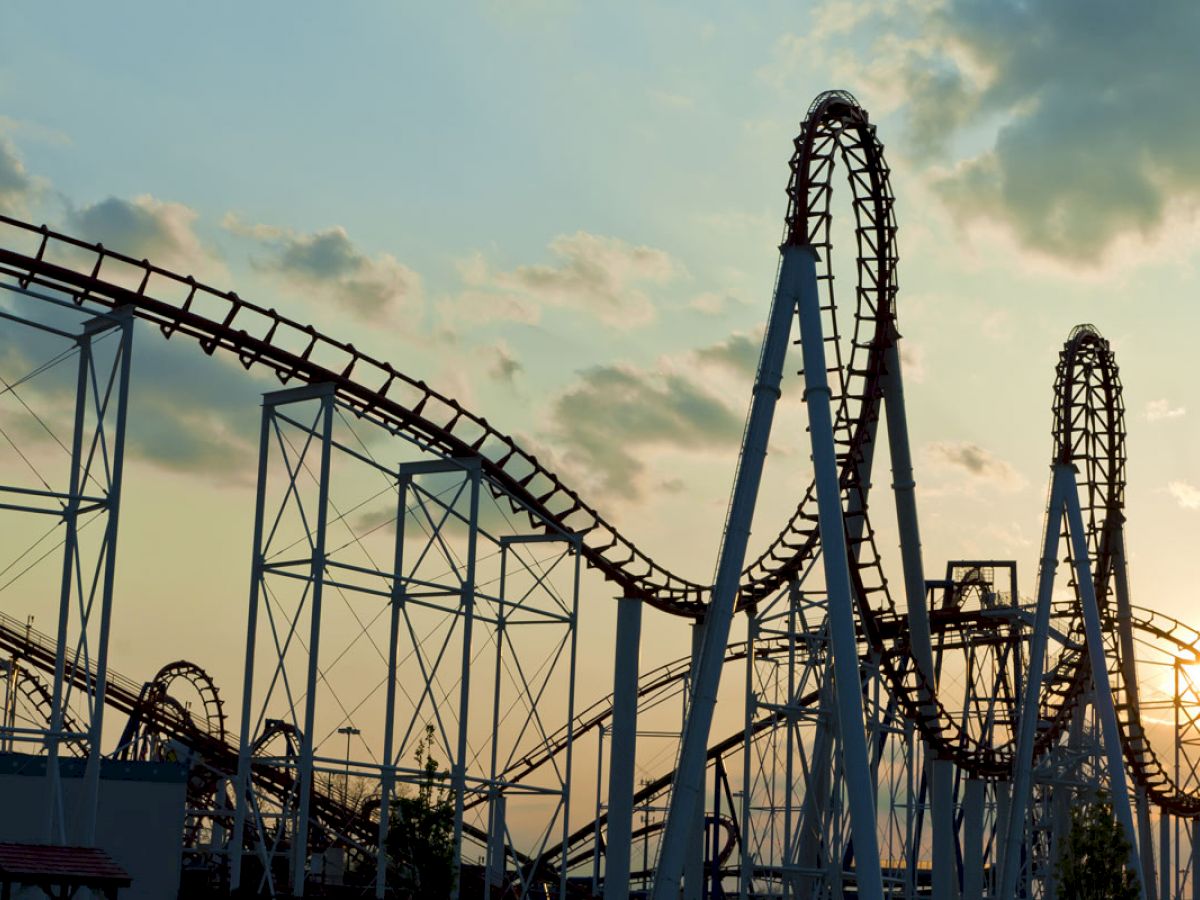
[349,731]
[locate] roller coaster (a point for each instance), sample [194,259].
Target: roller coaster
[921,740]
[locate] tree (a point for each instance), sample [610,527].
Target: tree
[420,840]
[1094,861]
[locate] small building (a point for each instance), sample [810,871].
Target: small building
[58,872]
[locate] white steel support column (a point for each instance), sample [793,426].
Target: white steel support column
[317,575]
[577,548]
[1003,794]
[693,864]
[797,268]
[623,747]
[395,604]
[467,604]
[1165,881]
[497,849]
[1014,822]
[972,850]
[941,772]
[244,737]
[810,857]
[1105,709]
[840,599]
[1145,833]
[597,842]
[56,829]
[123,320]
[746,857]
[1195,858]
[105,393]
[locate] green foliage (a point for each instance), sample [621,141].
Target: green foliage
[1093,863]
[421,837]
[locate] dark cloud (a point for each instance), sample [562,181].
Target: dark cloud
[144,228]
[738,352]
[187,412]
[1097,104]
[506,367]
[614,414]
[976,462]
[374,289]
[193,413]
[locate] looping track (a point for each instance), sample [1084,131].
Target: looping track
[375,390]
[1089,433]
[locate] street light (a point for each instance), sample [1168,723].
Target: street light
[349,731]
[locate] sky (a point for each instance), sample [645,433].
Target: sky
[566,216]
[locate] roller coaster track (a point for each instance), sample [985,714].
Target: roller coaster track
[218,750]
[835,127]
[1089,433]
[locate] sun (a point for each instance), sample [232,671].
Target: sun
[1188,683]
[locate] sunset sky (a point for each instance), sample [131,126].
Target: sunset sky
[566,216]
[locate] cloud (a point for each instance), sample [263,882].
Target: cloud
[605,424]
[1069,124]
[188,412]
[977,462]
[671,100]
[1096,102]
[1157,410]
[738,353]
[1185,494]
[17,187]
[376,290]
[604,277]
[912,362]
[711,303]
[144,228]
[505,367]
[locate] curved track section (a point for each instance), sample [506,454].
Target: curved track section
[836,128]
[1089,433]
[218,320]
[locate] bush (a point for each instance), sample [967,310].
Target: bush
[1093,863]
[421,834]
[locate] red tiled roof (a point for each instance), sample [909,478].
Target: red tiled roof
[41,863]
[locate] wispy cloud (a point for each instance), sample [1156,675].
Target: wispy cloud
[505,366]
[144,227]
[374,289]
[912,362]
[977,462]
[1186,495]
[606,422]
[17,186]
[738,353]
[603,277]
[1157,410]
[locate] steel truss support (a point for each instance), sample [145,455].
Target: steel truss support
[623,747]
[1064,503]
[92,496]
[292,823]
[439,600]
[941,772]
[687,793]
[854,757]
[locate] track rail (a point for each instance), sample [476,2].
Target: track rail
[1089,431]
[836,130]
